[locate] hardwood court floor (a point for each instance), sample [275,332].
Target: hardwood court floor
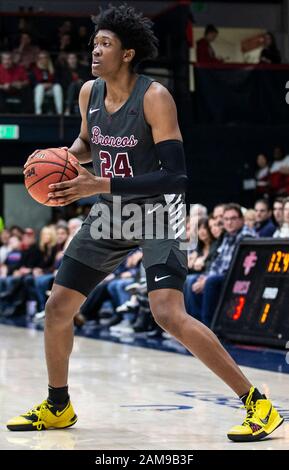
[129,397]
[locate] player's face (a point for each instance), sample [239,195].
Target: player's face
[107,54]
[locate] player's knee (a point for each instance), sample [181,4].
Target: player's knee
[168,312]
[161,317]
[164,315]
[56,312]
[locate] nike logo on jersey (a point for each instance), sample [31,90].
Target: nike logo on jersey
[150,211]
[157,279]
[91,111]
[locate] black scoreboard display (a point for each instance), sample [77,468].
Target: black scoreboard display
[254,304]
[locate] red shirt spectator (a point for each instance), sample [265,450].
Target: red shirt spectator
[42,75]
[278,177]
[14,84]
[13,75]
[43,71]
[16,73]
[26,53]
[205,52]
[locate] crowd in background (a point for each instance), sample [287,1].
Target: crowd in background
[37,75]
[43,71]
[119,304]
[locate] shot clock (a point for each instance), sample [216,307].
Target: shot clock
[254,303]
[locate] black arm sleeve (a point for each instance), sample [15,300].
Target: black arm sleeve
[171,178]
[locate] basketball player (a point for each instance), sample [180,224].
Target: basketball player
[130,131]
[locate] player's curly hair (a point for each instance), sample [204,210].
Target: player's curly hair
[132,28]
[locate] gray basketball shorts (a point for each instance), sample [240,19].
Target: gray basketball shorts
[103,242]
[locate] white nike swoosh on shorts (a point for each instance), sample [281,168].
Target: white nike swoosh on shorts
[157,279]
[93,110]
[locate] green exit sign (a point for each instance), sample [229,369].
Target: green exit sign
[9,131]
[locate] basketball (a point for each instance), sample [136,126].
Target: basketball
[46,167]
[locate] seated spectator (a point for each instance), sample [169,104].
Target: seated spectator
[262,175]
[215,227]
[270,53]
[283,230]
[218,213]
[250,218]
[200,258]
[202,295]
[278,211]
[197,211]
[4,245]
[65,28]
[43,282]
[82,39]
[31,254]
[116,287]
[23,25]
[264,225]
[217,231]
[112,288]
[205,52]
[278,171]
[47,246]
[13,258]
[46,83]
[16,230]
[10,282]
[73,75]
[51,247]
[26,53]
[14,85]
[65,46]
[73,225]
[197,258]
[21,260]
[284,170]
[62,234]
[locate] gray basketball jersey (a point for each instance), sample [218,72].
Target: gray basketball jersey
[121,143]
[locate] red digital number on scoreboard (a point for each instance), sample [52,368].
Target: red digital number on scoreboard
[238,307]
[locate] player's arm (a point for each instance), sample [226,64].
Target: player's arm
[80,147]
[161,114]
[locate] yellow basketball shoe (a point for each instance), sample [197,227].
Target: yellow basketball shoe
[44,416]
[262,419]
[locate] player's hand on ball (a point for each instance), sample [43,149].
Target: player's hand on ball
[84,185]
